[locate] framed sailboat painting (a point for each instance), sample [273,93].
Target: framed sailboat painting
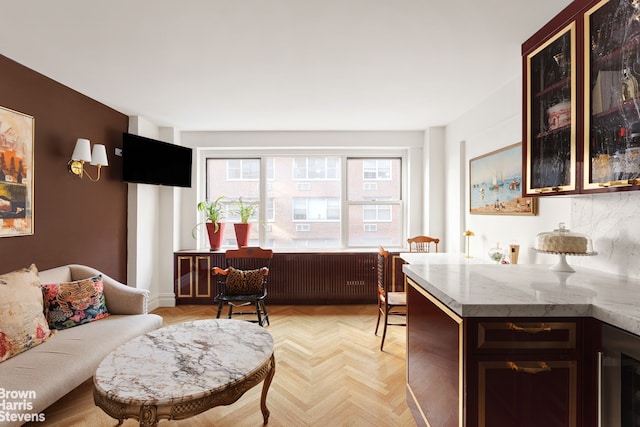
[495,181]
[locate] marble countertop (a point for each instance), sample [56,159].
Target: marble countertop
[311,251]
[476,288]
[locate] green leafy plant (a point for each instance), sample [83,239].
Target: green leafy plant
[246,210]
[213,212]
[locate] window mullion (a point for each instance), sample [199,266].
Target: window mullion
[344,211]
[262,197]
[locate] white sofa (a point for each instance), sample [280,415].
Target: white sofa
[48,371]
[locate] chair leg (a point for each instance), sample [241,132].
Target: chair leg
[230,311]
[220,304]
[258,313]
[384,329]
[265,315]
[378,322]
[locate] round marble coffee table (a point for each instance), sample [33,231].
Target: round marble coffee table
[182,370]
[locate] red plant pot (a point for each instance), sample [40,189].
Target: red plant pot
[242,234]
[215,237]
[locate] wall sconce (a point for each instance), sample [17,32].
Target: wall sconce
[82,153]
[468,235]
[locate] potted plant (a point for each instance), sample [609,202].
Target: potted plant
[246,211]
[213,212]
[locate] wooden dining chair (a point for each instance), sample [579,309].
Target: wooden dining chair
[422,244]
[389,303]
[243,283]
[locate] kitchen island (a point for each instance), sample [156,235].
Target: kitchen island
[494,344]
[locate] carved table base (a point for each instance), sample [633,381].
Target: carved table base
[119,401]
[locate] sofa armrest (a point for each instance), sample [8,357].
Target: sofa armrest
[121,299]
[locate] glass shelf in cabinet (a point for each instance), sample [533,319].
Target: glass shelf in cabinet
[552,132]
[615,53]
[562,84]
[632,106]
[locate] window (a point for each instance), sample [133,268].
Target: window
[370,186]
[382,208]
[312,201]
[316,168]
[376,213]
[316,209]
[376,169]
[270,169]
[271,209]
[243,169]
[370,228]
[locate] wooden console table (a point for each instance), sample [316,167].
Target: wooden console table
[340,277]
[183,370]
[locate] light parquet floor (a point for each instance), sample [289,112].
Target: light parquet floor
[329,372]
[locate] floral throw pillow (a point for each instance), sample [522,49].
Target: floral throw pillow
[74,303]
[22,321]
[244,282]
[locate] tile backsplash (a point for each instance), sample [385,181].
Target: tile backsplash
[612,221]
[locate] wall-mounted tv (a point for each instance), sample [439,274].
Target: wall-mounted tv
[149,161]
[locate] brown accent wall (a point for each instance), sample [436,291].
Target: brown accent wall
[76,220]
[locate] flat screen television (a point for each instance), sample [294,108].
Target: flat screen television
[149,161]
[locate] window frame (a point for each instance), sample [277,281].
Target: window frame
[343,154]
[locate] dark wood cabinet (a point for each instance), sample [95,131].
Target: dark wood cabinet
[524,372]
[581,101]
[527,393]
[193,281]
[612,103]
[294,278]
[482,372]
[551,115]
[435,356]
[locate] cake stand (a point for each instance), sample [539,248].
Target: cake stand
[562,264]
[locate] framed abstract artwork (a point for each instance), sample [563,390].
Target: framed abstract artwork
[16,173]
[495,181]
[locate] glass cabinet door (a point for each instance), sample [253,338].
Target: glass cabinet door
[612,106]
[551,115]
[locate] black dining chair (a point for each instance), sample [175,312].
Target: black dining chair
[243,283]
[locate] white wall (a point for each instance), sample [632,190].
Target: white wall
[611,220]
[142,217]
[434,189]
[152,227]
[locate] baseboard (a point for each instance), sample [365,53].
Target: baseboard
[166,300]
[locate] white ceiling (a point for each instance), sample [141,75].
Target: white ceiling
[278,64]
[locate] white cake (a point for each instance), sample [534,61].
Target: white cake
[564,244]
